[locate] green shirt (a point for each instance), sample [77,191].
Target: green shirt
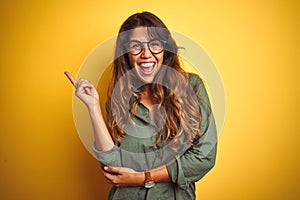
[185,166]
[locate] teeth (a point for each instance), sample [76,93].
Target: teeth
[146,64]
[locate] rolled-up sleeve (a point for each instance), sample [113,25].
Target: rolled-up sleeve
[193,164]
[196,161]
[110,157]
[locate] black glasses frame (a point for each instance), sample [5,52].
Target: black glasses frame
[142,45]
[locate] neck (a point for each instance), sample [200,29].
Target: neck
[146,98]
[146,88]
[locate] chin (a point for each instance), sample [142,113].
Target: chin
[147,79]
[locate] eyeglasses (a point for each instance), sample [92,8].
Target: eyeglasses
[156,46]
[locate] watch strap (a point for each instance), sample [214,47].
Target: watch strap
[148,176]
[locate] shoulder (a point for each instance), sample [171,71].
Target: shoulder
[198,85]
[195,80]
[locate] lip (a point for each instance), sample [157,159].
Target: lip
[147,68]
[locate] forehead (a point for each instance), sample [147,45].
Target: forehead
[140,33]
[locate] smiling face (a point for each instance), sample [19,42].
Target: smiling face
[146,63]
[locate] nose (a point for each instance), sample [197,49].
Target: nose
[146,53]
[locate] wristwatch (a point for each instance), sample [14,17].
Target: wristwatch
[149,182]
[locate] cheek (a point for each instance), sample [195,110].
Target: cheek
[132,60]
[160,58]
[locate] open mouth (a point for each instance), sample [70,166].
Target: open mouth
[147,68]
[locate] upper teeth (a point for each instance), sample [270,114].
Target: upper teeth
[146,64]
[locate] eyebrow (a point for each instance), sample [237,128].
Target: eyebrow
[139,41]
[134,40]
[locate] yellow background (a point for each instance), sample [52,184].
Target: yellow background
[254,44]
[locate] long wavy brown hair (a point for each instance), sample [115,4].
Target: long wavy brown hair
[178,110]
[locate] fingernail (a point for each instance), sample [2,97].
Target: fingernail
[105,168]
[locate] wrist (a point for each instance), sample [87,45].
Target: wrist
[149,181]
[141,178]
[94,107]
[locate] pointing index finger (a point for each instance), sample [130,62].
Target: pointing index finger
[71,78]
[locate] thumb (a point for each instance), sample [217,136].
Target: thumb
[113,170]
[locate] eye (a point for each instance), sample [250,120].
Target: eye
[134,45]
[155,43]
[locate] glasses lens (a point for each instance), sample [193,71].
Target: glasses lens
[156,46]
[135,47]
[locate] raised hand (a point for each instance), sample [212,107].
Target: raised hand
[85,91]
[88,94]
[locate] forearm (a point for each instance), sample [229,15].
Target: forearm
[102,137]
[122,176]
[160,174]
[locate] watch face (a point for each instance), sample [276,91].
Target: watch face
[149,184]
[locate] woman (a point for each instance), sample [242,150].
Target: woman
[159,137]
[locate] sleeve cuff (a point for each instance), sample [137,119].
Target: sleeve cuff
[109,157]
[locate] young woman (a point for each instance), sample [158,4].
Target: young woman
[159,137]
